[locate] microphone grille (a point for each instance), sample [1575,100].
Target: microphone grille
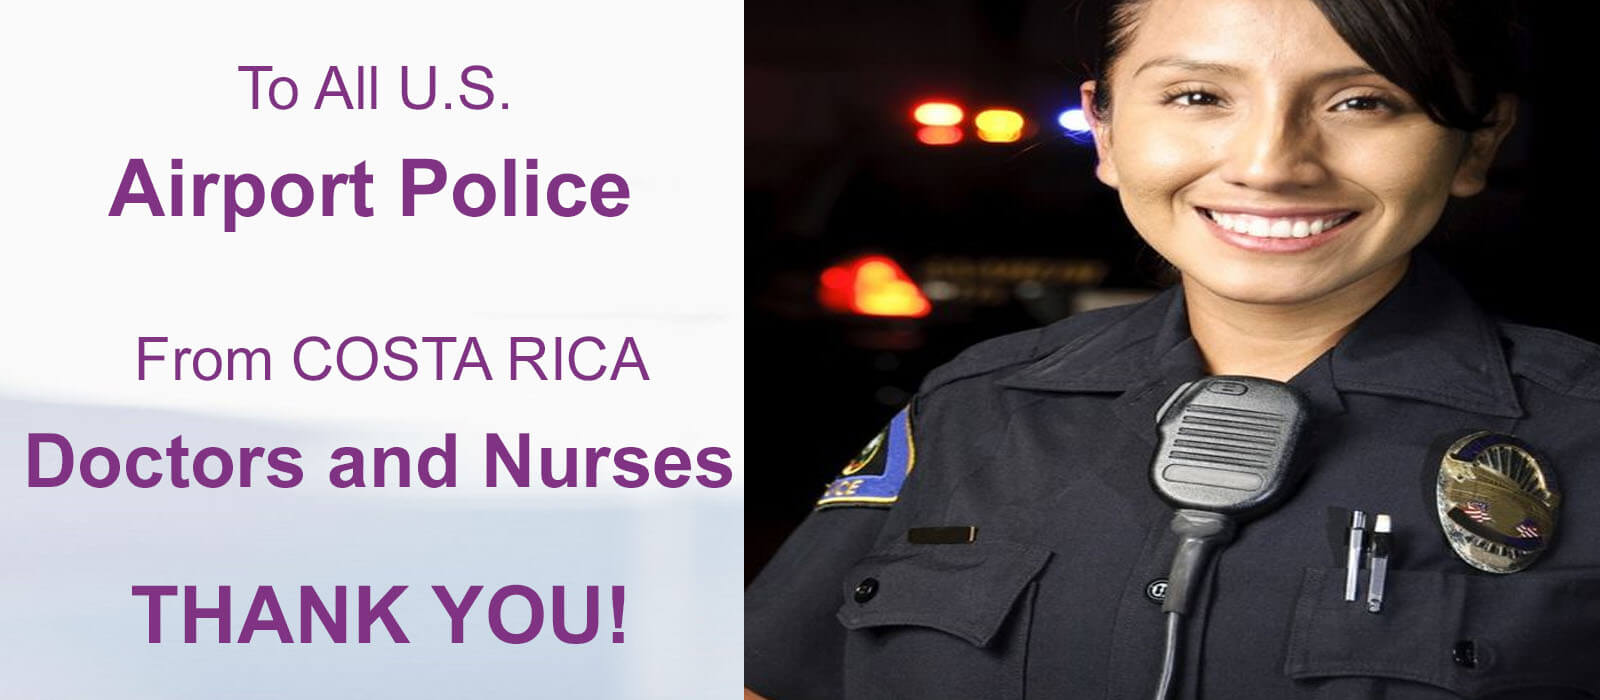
[1226,443]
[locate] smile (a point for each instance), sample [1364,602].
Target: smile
[1276,234]
[1276,227]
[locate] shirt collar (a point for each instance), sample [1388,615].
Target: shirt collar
[1426,340]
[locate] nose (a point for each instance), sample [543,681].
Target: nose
[1275,148]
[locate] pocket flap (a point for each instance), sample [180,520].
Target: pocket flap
[1471,634]
[961,589]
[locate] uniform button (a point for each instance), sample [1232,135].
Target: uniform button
[1156,591]
[866,589]
[1465,654]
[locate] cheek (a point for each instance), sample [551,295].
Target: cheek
[1154,163]
[1409,173]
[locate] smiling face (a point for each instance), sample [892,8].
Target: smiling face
[1260,155]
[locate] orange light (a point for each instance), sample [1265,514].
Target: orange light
[937,114]
[872,285]
[939,135]
[998,125]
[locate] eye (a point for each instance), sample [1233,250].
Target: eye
[1364,103]
[1189,97]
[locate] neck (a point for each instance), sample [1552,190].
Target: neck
[1277,341]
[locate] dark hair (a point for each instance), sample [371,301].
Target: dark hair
[1455,57]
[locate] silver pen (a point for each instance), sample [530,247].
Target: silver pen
[1378,561]
[1352,563]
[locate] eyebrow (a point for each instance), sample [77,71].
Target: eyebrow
[1226,69]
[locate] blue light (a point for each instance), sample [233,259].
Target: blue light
[1073,120]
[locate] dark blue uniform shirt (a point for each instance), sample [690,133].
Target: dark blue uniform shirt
[1042,440]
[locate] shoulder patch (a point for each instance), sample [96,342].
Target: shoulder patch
[1558,361]
[875,476]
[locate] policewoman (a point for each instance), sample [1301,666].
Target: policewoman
[1002,537]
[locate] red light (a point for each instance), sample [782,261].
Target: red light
[937,114]
[872,285]
[939,135]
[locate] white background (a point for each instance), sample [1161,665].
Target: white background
[651,91]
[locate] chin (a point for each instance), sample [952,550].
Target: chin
[1275,287]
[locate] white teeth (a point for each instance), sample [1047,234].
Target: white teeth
[1262,227]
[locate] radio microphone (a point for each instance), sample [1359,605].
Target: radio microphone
[1226,456]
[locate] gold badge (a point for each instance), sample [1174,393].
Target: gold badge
[1497,502]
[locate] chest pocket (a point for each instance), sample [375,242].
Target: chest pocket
[1534,634]
[940,620]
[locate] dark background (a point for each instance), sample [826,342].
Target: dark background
[833,170]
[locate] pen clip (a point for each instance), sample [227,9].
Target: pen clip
[1352,562]
[1378,562]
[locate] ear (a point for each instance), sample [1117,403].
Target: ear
[1104,168]
[1472,174]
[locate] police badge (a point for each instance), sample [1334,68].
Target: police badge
[1497,502]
